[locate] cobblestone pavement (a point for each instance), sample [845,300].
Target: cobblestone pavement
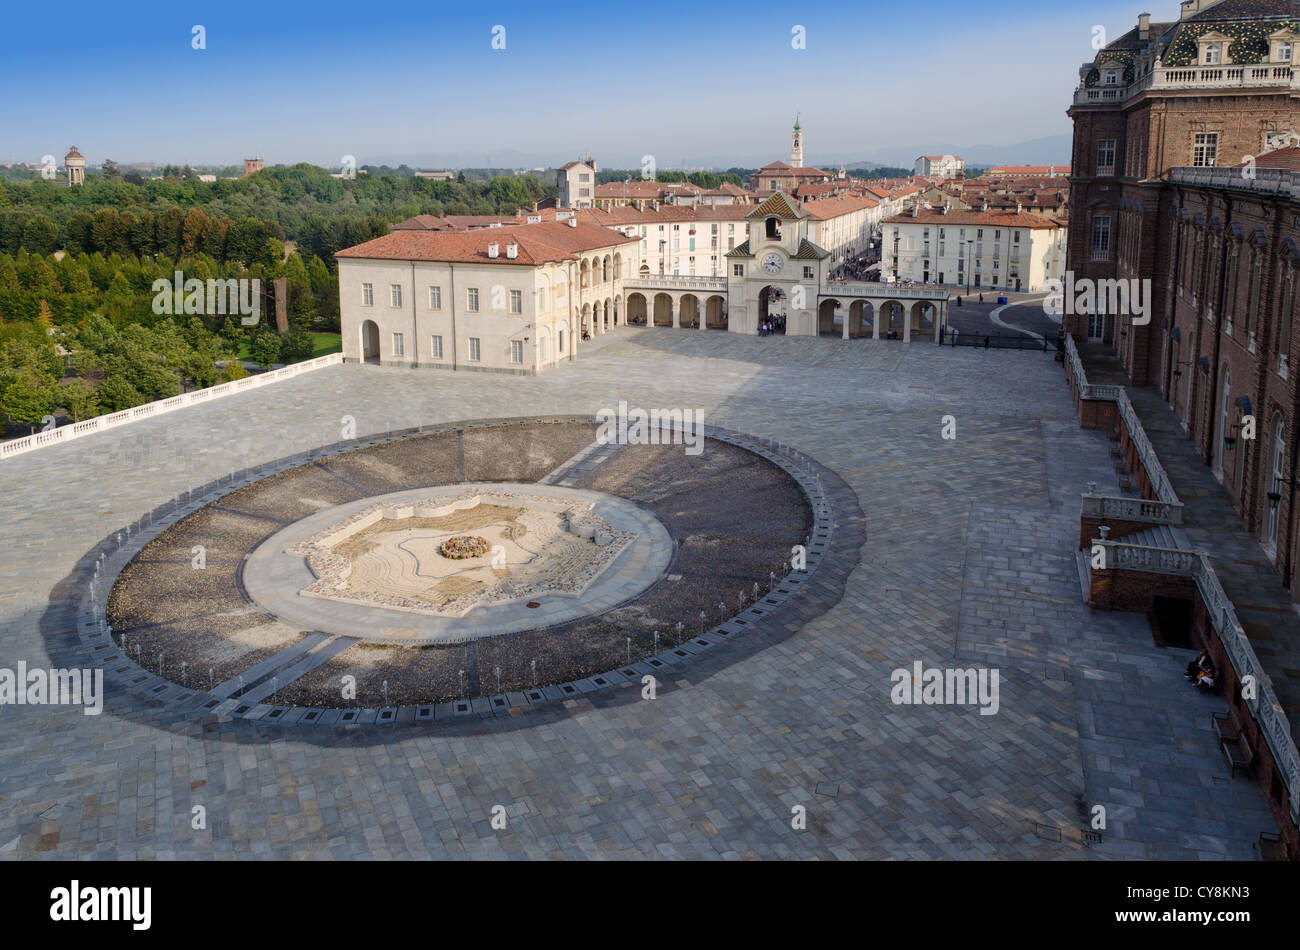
[967,560]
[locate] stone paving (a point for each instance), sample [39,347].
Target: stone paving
[967,560]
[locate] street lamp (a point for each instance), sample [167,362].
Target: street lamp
[970,249]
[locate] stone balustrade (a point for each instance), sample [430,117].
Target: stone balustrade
[1264,705]
[66,433]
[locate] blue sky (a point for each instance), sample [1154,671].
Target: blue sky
[682,81]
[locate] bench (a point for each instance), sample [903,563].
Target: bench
[1238,753]
[1270,847]
[1225,726]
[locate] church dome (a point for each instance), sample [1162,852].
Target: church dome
[74,157]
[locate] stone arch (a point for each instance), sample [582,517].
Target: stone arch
[663,310]
[715,312]
[893,316]
[688,310]
[586,318]
[618,267]
[827,311]
[605,264]
[369,341]
[637,308]
[861,319]
[584,275]
[607,315]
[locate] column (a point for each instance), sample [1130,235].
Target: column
[907,323]
[875,321]
[940,313]
[676,304]
[848,313]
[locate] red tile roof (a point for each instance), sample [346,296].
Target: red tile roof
[994,219]
[538,244]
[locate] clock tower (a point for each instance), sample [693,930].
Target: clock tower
[777,272]
[796,145]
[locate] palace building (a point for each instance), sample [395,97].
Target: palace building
[1185,175]
[520,294]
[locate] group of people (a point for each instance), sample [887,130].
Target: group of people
[772,325]
[1201,671]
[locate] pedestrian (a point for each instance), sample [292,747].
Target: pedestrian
[981,298]
[959,300]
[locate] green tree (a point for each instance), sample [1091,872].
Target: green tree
[78,398]
[265,347]
[116,394]
[295,347]
[26,402]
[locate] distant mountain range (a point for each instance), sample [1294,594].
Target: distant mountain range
[1049,150]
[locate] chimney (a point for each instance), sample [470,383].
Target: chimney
[494,250]
[573,222]
[512,251]
[1019,207]
[1144,26]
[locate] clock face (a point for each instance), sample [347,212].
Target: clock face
[772,263]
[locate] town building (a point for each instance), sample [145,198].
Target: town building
[253,165]
[576,182]
[981,249]
[511,299]
[940,166]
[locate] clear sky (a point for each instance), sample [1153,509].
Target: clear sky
[682,81]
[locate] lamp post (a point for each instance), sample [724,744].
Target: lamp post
[970,248]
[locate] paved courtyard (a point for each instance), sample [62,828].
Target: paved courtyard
[968,561]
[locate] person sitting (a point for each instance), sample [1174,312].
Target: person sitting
[1199,666]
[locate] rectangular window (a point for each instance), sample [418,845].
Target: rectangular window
[1284,52]
[399,345]
[738,270]
[516,301]
[367,295]
[435,298]
[1205,149]
[1106,157]
[475,349]
[516,351]
[807,273]
[1213,54]
[471,300]
[395,294]
[1101,238]
[435,347]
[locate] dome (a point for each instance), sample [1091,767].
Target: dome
[74,156]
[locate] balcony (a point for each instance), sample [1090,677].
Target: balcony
[1174,79]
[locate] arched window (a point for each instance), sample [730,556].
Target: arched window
[773,228]
[1225,415]
[1275,481]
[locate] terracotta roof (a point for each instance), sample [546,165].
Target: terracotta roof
[988,219]
[1280,158]
[825,208]
[538,244]
[73,153]
[1059,170]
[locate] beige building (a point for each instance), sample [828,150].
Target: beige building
[1003,250]
[940,166]
[576,182]
[513,299]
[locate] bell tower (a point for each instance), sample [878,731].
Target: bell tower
[796,145]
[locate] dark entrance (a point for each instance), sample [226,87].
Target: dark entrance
[1171,621]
